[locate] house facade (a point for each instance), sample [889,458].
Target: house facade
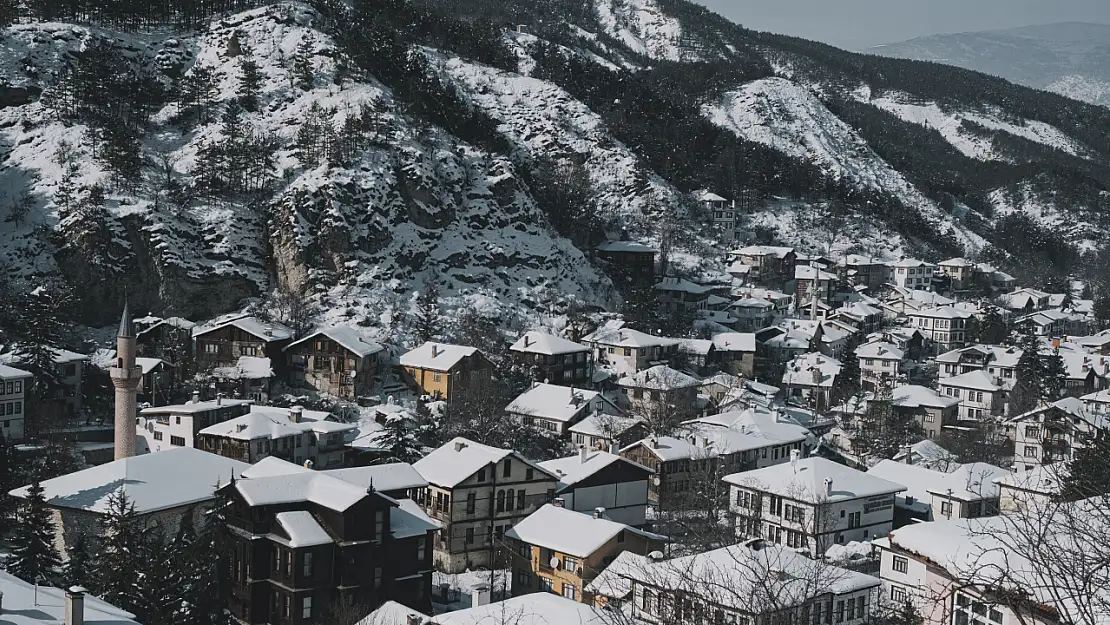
[628,351]
[165,427]
[438,370]
[557,408]
[880,364]
[912,274]
[944,326]
[770,265]
[222,342]
[338,361]
[556,360]
[593,479]
[477,493]
[931,410]
[634,261]
[981,395]
[14,387]
[293,434]
[1052,433]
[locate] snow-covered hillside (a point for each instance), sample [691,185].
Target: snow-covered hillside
[789,118]
[415,205]
[646,29]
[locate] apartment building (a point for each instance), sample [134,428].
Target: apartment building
[15,385]
[1052,433]
[293,434]
[164,427]
[981,395]
[477,493]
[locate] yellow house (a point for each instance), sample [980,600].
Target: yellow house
[561,551]
[443,370]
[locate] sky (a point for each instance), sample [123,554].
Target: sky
[859,24]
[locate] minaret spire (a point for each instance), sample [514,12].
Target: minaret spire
[126,375]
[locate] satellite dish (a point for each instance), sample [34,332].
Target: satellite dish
[656,480]
[554,562]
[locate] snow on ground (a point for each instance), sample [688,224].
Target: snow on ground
[800,226]
[461,586]
[1086,235]
[789,118]
[645,29]
[1083,88]
[950,124]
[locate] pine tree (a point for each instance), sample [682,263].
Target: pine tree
[1055,375]
[1088,473]
[847,382]
[204,563]
[10,478]
[250,80]
[119,552]
[428,320]
[78,568]
[399,438]
[1028,374]
[158,596]
[303,71]
[992,329]
[34,557]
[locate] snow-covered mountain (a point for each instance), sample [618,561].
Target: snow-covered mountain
[408,142]
[1069,58]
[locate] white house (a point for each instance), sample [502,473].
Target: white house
[879,363]
[752,314]
[969,491]
[628,351]
[998,361]
[812,504]
[603,431]
[1032,490]
[912,274]
[556,408]
[293,434]
[1025,300]
[1052,433]
[478,492]
[163,487]
[164,427]
[959,270]
[981,395]
[590,480]
[14,385]
[945,326]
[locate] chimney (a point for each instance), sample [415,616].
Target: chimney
[435,351]
[75,606]
[599,513]
[308,463]
[527,341]
[654,442]
[413,619]
[459,445]
[906,449]
[219,399]
[613,447]
[196,397]
[295,414]
[828,486]
[794,455]
[583,453]
[559,502]
[480,595]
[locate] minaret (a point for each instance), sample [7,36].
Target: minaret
[126,376]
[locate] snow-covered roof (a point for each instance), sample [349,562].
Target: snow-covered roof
[751,302]
[764,250]
[660,378]
[805,479]
[738,267]
[757,421]
[389,477]
[709,196]
[348,337]
[570,532]
[914,396]
[908,263]
[268,331]
[941,312]
[811,369]
[859,310]
[956,262]
[554,402]
[857,259]
[459,458]
[393,613]
[998,355]
[604,425]
[806,272]
[409,519]
[302,528]
[1044,479]
[1079,366]
[626,246]
[734,342]
[323,490]
[742,577]
[615,580]
[153,322]
[880,350]
[1073,406]
[697,347]
[246,368]
[969,482]
[271,422]
[193,407]
[976,380]
[30,604]
[542,608]
[627,337]
[11,373]
[574,469]
[61,356]
[148,364]
[158,481]
[680,285]
[697,440]
[437,356]
[928,454]
[540,343]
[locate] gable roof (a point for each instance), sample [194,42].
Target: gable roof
[267,331]
[318,488]
[302,529]
[914,396]
[152,482]
[540,343]
[409,519]
[880,350]
[348,337]
[31,604]
[977,380]
[437,356]
[573,533]
[811,369]
[659,377]
[554,402]
[627,337]
[734,342]
[804,480]
[574,469]
[772,425]
[459,458]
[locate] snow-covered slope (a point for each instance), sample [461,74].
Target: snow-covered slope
[1071,58]
[416,204]
[789,118]
[646,29]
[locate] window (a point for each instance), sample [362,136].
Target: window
[177,440]
[285,606]
[277,559]
[507,468]
[377,577]
[437,377]
[839,611]
[287,559]
[421,548]
[570,564]
[525,551]
[520,499]
[471,502]
[510,497]
[306,607]
[530,473]
[524,579]
[898,594]
[545,585]
[946,508]
[646,601]
[307,565]
[157,435]
[481,475]
[570,592]
[469,535]
[620,537]
[901,565]
[861,607]
[500,501]
[178,421]
[379,524]
[1030,451]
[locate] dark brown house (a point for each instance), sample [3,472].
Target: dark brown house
[338,360]
[632,261]
[304,544]
[222,342]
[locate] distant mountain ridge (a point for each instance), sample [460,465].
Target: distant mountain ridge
[1069,58]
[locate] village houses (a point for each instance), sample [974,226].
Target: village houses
[440,370]
[338,360]
[293,434]
[628,351]
[15,386]
[556,359]
[593,479]
[557,408]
